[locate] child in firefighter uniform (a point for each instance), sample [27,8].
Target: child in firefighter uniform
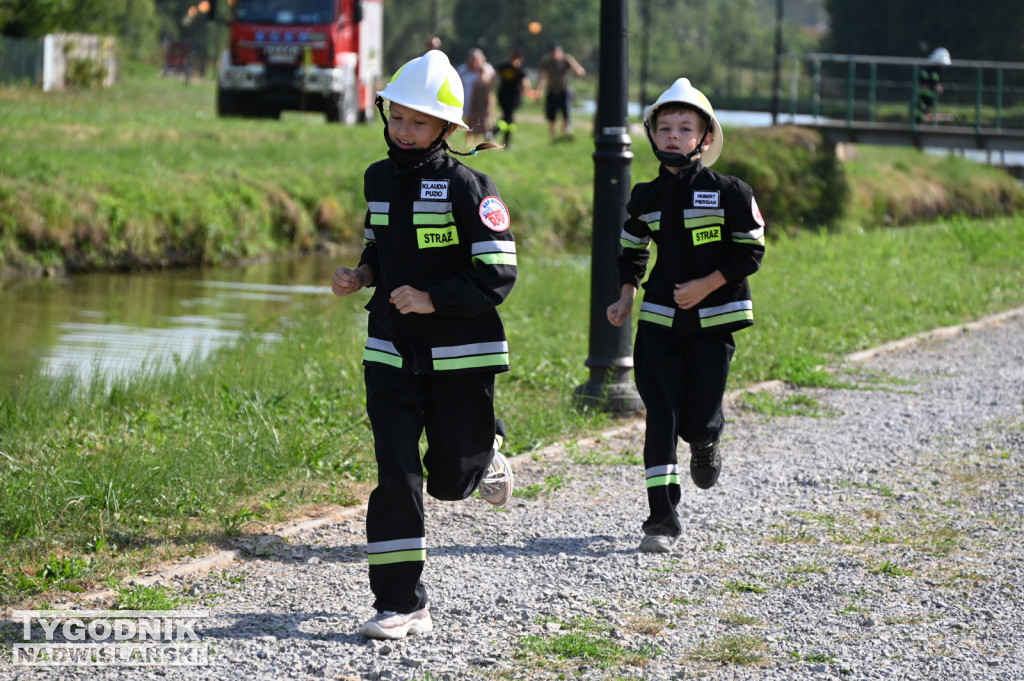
[710,237]
[440,255]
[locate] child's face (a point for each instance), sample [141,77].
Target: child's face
[411,129]
[679,131]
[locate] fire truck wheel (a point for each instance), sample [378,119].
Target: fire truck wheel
[226,104]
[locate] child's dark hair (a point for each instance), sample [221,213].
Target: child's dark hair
[483,146]
[678,107]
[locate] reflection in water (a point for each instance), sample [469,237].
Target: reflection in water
[117,350]
[120,323]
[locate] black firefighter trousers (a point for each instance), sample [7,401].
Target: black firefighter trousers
[681,380]
[457,413]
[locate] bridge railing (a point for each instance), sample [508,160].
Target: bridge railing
[876,89]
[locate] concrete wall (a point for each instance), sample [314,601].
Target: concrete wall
[46,62]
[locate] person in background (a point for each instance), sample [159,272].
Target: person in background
[440,257]
[478,83]
[709,235]
[555,80]
[512,83]
[929,86]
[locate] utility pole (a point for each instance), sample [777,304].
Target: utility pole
[645,36]
[777,69]
[611,357]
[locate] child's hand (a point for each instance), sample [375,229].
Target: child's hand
[619,310]
[346,281]
[623,307]
[407,299]
[690,293]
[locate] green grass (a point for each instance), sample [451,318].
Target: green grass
[771,405]
[584,641]
[739,649]
[827,295]
[890,569]
[745,587]
[551,484]
[155,597]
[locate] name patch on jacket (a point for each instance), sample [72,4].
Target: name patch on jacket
[705,199]
[434,190]
[435,237]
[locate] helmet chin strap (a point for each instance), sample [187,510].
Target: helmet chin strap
[675,160]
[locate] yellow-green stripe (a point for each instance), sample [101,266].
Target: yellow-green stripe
[496,258]
[626,243]
[656,318]
[381,357]
[498,359]
[432,219]
[413,556]
[703,221]
[727,318]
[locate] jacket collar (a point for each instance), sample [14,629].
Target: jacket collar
[684,175]
[408,160]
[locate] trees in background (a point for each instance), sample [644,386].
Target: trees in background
[721,45]
[912,28]
[134,22]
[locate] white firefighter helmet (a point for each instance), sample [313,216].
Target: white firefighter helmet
[940,55]
[430,85]
[682,92]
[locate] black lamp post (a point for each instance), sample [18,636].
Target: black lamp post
[611,357]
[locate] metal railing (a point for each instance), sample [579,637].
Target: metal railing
[875,89]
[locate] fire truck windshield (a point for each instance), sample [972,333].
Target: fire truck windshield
[285,11]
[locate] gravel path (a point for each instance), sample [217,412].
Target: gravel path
[862,532]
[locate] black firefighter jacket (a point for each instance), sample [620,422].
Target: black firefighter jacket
[440,227]
[700,221]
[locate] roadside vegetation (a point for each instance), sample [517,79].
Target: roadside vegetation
[103,479]
[144,175]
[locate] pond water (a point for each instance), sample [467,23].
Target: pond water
[119,323]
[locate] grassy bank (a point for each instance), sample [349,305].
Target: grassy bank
[101,481]
[145,175]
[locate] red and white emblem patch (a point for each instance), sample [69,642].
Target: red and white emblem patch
[494,214]
[756,211]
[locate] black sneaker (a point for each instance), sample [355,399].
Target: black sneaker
[705,465]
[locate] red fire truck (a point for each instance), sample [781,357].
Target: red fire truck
[302,55]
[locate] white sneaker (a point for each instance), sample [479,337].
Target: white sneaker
[657,543]
[392,625]
[496,487]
